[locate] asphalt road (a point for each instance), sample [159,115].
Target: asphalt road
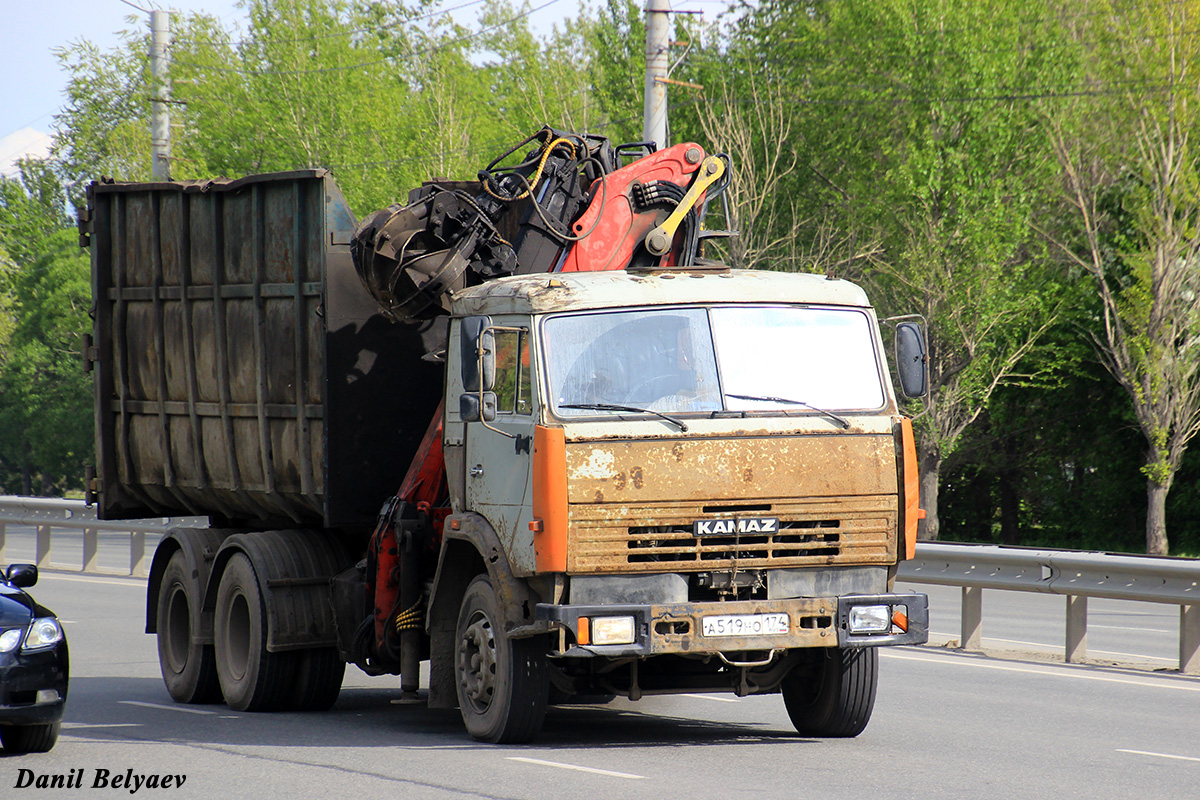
[946,725]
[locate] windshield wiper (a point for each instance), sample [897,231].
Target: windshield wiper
[613,407]
[788,401]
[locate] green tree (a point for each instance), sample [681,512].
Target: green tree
[384,95]
[1131,169]
[616,40]
[104,127]
[45,398]
[918,141]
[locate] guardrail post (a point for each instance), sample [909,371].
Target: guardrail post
[972,617]
[1076,629]
[1189,640]
[43,547]
[3,532]
[137,554]
[90,549]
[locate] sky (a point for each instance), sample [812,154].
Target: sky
[32,82]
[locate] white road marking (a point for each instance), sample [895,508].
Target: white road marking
[1058,672]
[1128,628]
[1054,648]
[716,697]
[1159,755]
[577,768]
[164,707]
[137,583]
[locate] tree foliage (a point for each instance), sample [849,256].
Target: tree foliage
[45,397]
[915,144]
[1133,184]
[1022,175]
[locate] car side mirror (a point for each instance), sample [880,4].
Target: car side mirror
[22,575]
[912,359]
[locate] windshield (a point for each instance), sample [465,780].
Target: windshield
[694,360]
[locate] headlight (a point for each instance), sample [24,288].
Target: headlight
[44,632]
[613,630]
[870,619]
[9,640]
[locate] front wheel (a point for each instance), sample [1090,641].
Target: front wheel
[503,683]
[835,700]
[318,679]
[18,739]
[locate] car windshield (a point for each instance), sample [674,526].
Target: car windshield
[700,360]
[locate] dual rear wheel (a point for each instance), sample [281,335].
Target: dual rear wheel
[237,666]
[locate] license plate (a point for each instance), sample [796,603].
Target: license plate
[745,625]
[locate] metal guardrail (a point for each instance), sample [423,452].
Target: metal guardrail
[46,514]
[1073,574]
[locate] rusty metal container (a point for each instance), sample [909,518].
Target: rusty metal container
[241,370]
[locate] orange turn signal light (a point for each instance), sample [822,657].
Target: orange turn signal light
[900,620]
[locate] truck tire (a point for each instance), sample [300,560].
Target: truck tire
[189,669]
[318,679]
[503,684]
[838,700]
[19,739]
[252,679]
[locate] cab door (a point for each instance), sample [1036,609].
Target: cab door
[498,452]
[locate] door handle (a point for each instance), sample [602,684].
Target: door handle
[476,470]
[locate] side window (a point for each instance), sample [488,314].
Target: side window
[513,388]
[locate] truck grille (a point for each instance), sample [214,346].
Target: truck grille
[829,531]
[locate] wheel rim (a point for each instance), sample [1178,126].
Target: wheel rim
[477,663]
[237,637]
[178,634]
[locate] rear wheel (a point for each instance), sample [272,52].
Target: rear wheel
[251,677]
[503,683]
[837,699]
[189,669]
[29,738]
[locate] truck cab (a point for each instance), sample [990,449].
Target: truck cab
[701,475]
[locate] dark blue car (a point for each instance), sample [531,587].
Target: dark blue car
[33,666]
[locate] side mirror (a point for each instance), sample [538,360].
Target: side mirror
[478,351]
[480,406]
[22,576]
[912,360]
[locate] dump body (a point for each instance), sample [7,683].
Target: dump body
[244,373]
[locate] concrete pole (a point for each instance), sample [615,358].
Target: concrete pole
[658,31]
[160,117]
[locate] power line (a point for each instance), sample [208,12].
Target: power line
[384,60]
[1047,94]
[357,31]
[991,24]
[38,118]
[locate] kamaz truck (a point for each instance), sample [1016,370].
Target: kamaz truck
[518,428]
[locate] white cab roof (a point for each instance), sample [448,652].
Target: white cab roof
[566,291]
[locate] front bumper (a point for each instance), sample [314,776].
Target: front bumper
[677,628]
[33,686]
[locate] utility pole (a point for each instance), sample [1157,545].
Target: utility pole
[160,117]
[658,31]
